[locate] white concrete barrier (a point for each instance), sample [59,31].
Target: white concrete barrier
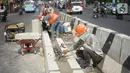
[111,61]
[108,65]
[47,41]
[115,46]
[50,63]
[125,55]
[36,26]
[91,27]
[104,35]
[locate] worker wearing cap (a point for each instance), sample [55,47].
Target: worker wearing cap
[90,44]
[42,13]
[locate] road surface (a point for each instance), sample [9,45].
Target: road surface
[121,26]
[11,60]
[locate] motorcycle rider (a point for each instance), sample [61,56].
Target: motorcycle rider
[96,9]
[103,9]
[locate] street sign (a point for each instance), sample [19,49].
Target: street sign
[122,8]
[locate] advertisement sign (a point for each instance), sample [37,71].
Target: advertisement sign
[122,8]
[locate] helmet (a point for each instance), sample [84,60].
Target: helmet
[80,29]
[39,16]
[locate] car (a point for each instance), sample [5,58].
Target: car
[29,6]
[76,7]
[111,8]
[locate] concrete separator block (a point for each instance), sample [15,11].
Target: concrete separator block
[50,59]
[36,26]
[98,34]
[115,49]
[125,51]
[90,27]
[125,55]
[104,35]
[50,63]
[108,65]
[46,39]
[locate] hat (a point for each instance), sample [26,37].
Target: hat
[50,9]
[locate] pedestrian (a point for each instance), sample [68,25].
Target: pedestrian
[90,45]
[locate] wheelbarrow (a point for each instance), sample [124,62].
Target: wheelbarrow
[27,41]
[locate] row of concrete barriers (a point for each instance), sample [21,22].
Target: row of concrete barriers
[115,46]
[46,49]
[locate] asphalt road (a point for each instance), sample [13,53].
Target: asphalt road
[120,26]
[11,61]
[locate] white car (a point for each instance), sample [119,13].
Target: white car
[77,7]
[29,6]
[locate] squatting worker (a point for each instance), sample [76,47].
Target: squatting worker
[91,47]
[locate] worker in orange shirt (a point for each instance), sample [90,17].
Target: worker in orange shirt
[52,19]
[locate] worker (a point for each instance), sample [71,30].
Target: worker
[91,48]
[52,19]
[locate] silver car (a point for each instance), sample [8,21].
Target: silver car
[111,8]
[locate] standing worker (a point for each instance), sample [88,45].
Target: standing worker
[42,14]
[52,19]
[91,47]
